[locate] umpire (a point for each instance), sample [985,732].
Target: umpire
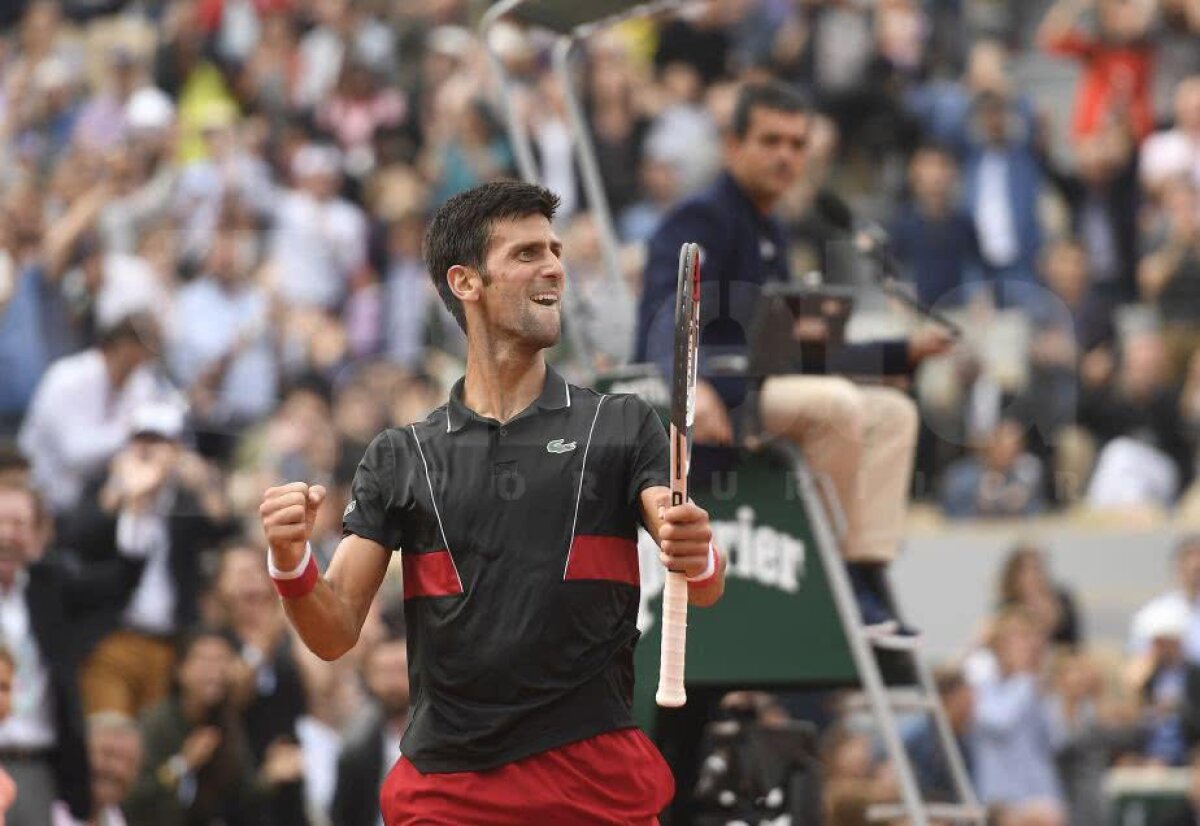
[862,437]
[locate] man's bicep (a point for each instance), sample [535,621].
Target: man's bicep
[356,572]
[369,514]
[650,453]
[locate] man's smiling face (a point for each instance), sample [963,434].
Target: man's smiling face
[524,280]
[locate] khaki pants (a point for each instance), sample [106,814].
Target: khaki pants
[128,672]
[863,438]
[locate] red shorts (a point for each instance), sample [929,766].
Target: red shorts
[616,777]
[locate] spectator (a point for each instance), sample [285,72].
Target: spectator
[115,758]
[1144,460]
[198,767]
[1170,276]
[373,741]
[323,51]
[1011,747]
[1180,600]
[618,125]
[25,292]
[80,414]
[1002,182]
[470,149]
[1117,62]
[1071,325]
[1163,679]
[102,122]
[158,508]
[218,339]
[1025,583]
[606,310]
[270,73]
[660,182]
[361,107]
[1175,153]
[851,781]
[942,107]
[42,741]
[1102,194]
[226,171]
[924,745]
[1002,479]
[1087,737]
[268,688]
[933,237]
[684,130]
[406,287]
[320,239]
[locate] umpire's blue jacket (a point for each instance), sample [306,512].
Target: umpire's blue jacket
[743,251]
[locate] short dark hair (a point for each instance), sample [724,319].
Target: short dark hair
[138,327]
[774,95]
[15,484]
[462,227]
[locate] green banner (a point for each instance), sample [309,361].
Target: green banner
[777,624]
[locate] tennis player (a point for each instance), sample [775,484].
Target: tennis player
[516,506]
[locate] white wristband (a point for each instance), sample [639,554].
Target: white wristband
[709,569]
[296,572]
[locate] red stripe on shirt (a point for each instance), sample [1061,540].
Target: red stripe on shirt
[430,575]
[604,557]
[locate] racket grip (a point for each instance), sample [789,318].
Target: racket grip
[674,642]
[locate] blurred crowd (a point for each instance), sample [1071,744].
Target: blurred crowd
[211,215]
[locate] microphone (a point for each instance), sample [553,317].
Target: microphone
[873,241]
[870,238]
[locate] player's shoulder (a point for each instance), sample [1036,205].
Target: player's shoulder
[436,422]
[629,405]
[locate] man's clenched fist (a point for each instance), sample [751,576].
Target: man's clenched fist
[288,513]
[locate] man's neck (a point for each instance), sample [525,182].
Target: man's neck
[194,711]
[765,204]
[502,381]
[935,209]
[117,371]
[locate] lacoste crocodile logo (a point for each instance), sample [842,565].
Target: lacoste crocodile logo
[559,446]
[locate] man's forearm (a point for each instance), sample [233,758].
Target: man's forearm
[330,616]
[323,621]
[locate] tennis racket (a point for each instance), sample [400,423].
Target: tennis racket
[683,414]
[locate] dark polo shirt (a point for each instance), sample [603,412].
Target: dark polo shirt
[521,581]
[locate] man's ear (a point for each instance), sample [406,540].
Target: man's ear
[465,282]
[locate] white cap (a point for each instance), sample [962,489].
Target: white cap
[1168,619]
[149,110]
[453,41]
[316,159]
[129,287]
[163,419]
